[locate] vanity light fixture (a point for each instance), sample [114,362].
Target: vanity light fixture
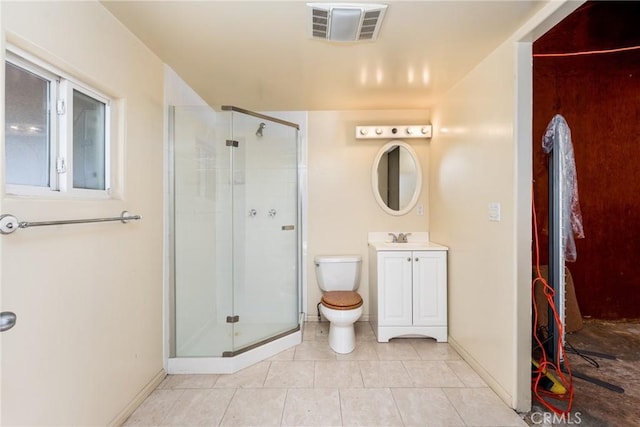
[387,132]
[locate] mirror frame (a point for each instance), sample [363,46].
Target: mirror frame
[374,178]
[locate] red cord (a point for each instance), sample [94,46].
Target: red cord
[590,52]
[546,365]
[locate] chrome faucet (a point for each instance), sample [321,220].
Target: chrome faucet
[402,237]
[394,238]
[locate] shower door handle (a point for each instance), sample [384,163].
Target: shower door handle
[288,227]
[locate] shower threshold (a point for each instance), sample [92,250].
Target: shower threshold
[242,358]
[261,343]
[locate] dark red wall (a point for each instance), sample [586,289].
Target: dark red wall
[599,96]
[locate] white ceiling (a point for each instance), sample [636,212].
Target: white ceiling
[258,55]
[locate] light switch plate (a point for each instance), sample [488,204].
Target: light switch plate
[494,211]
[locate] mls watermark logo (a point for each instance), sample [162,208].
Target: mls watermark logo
[550,418]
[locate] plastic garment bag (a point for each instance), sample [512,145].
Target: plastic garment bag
[558,137]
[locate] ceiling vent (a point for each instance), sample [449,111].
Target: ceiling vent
[346,22]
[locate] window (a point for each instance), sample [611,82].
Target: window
[56,132]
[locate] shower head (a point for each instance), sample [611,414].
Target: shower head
[260,127]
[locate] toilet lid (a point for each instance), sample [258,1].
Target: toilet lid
[341,300]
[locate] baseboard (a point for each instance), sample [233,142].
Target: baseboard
[484,374]
[138,399]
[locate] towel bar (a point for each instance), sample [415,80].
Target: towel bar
[9,223]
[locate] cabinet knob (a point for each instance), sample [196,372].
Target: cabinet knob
[409,259]
[416,259]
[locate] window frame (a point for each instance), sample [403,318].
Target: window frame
[61,88]
[51,78]
[65,183]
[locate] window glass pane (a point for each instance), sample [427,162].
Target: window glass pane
[26,127]
[88,142]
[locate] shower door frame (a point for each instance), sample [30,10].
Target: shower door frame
[299,269]
[183,364]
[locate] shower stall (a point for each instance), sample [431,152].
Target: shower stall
[235,237]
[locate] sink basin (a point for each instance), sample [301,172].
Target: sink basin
[409,246]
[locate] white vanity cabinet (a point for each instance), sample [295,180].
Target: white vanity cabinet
[408,292]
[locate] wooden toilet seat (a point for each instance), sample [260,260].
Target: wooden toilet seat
[341,300]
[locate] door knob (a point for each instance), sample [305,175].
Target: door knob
[7,320]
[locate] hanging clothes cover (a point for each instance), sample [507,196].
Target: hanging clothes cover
[558,136]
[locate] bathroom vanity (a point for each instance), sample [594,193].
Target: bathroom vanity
[408,287]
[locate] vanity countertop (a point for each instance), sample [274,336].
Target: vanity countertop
[416,241]
[409,246]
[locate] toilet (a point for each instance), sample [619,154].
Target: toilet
[338,277]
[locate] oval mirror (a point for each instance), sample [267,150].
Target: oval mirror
[396,178]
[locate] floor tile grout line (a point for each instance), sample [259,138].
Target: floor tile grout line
[340,404]
[226,409]
[454,406]
[286,397]
[266,376]
[315,367]
[175,402]
[215,380]
[457,376]
[395,402]
[413,381]
[360,372]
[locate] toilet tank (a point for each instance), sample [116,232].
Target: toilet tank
[338,272]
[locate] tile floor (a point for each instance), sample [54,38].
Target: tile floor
[406,382]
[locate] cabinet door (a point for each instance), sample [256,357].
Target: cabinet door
[394,288]
[429,288]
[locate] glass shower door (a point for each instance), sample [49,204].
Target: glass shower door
[265,228]
[234,231]
[202,234]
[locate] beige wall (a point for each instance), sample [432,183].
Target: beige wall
[472,164]
[341,206]
[481,153]
[88,297]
